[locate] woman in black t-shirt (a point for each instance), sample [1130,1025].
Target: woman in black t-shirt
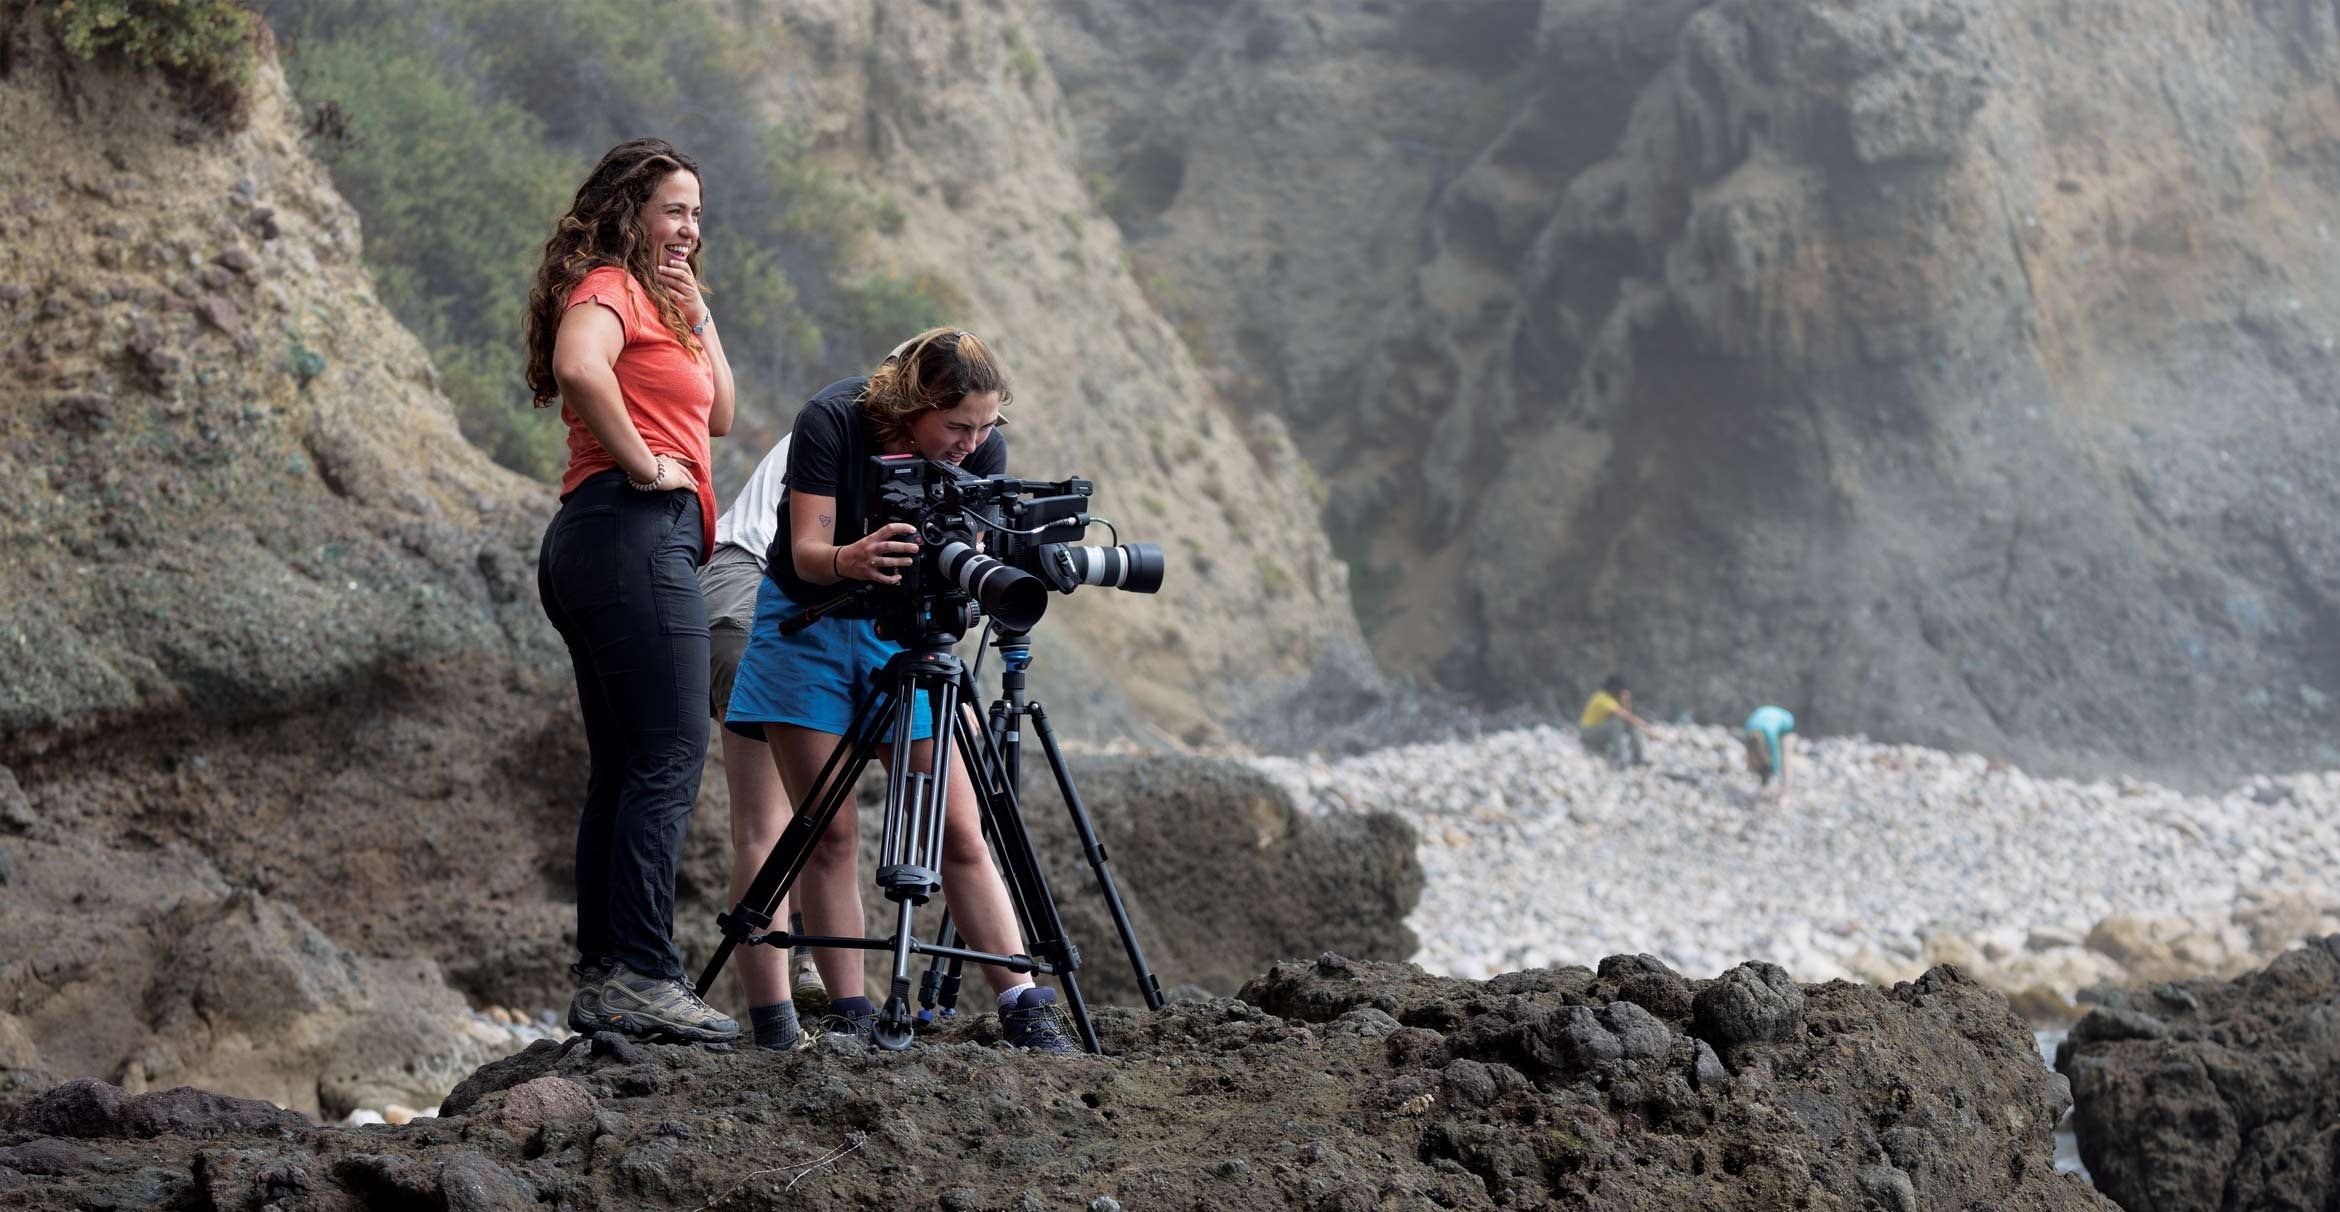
[939,395]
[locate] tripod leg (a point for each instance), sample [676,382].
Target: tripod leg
[1027,886]
[910,855]
[753,913]
[893,1029]
[930,986]
[1150,988]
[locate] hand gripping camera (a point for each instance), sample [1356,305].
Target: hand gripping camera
[991,545]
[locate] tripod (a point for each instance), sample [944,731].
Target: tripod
[940,988]
[911,841]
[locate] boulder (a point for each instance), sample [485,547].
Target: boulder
[2214,1094]
[1177,833]
[538,1102]
[1755,1002]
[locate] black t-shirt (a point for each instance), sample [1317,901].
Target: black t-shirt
[828,455]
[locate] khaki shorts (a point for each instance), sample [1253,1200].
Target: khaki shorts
[728,581]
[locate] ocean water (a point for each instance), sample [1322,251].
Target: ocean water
[2067,1144]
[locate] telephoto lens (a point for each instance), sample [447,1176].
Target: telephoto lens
[1136,567]
[1014,597]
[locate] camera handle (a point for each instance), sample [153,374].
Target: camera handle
[938,989]
[814,613]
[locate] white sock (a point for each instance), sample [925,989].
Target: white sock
[1008,996]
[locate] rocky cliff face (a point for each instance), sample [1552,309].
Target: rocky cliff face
[277,681]
[946,117]
[1949,372]
[239,493]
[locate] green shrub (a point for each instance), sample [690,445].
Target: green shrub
[456,192]
[1274,578]
[201,37]
[889,308]
[479,382]
[1105,191]
[203,46]
[1313,484]
[1022,57]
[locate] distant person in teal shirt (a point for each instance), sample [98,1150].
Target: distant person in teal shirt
[1767,749]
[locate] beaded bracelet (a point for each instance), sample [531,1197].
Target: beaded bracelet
[657,473]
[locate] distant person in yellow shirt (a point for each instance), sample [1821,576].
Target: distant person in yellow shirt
[1609,728]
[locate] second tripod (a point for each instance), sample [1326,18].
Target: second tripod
[938,990]
[910,847]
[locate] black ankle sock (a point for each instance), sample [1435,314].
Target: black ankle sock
[775,1026]
[852,1007]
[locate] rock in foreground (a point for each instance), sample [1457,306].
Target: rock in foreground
[1333,1085]
[2212,1095]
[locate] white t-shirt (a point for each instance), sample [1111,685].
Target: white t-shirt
[754,516]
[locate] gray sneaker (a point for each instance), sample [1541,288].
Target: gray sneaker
[585,1005]
[653,1007]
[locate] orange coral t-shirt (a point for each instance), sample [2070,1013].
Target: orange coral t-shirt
[669,392]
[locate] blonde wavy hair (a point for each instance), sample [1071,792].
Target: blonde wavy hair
[604,227]
[935,369]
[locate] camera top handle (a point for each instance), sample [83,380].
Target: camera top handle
[812,614]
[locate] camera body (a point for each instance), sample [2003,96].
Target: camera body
[995,545]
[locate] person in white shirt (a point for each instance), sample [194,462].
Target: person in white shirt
[759,803]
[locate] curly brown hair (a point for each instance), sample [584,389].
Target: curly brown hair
[935,369]
[604,227]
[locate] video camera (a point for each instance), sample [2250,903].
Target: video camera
[1027,529]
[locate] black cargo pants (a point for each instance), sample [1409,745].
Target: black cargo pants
[618,574]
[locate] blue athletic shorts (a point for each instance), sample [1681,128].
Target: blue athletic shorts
[812,679]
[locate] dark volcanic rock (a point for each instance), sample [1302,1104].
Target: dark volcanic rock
[2230,1102]
[1923,1096]
[86,1107]
[1753,1002]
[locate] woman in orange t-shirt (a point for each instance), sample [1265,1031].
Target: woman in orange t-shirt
[618,332]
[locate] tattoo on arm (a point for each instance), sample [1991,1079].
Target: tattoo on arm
[828,521]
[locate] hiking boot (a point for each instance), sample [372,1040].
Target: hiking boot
[809,990]
[653,1007]
[1032,1022]
[585,1004]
